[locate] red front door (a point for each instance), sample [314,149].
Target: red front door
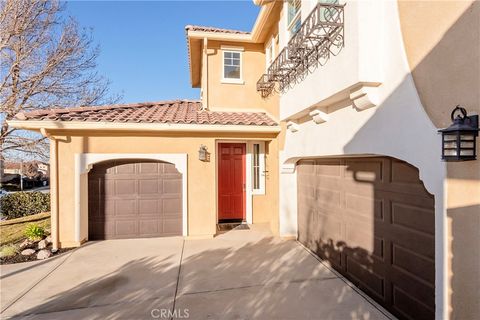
[231,181]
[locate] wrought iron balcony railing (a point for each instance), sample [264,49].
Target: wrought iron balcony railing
[320,36]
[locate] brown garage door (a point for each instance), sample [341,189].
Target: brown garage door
[373,220]
[134,199]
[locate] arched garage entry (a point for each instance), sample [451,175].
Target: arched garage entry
[373,220]
[134,198]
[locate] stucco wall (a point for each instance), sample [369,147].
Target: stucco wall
[238,96]
[397,126]
[202,202]
[442,42]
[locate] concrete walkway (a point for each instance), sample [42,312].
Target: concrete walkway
[243,274]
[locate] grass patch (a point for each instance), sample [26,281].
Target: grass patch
[8,251]
[12,231]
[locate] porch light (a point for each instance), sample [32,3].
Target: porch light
[459,140]
[203,154]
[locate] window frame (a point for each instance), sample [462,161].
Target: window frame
[260,190]
[270,53]
[295,18]
[238,50]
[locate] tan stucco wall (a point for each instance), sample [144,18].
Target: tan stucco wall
[202,202]
[442,42]
[238,96]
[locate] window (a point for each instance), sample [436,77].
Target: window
[258,168]
[326,14]
[270,52]
[232,69]
[294,16]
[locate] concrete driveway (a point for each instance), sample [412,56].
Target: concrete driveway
[242,274]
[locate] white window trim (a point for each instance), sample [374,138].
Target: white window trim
[261,189]
[229,80]
[269,56]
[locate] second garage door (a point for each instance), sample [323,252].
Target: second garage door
[134,199]
[373,220]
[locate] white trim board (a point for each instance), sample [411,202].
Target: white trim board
[85,161]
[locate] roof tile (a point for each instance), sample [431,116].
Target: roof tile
[176,111]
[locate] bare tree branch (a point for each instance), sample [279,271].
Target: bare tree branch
[45,61]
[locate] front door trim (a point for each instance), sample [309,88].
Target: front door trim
[248,177]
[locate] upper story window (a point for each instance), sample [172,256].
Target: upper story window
[270,52]
[232,65]
[294,16]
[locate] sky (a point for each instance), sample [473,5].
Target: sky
[143,48]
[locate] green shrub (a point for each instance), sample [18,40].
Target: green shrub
[21,204]
[34,232]
[8,251]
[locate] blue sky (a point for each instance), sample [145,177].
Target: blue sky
[143,45]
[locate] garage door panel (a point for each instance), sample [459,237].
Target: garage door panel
[150,186]
[366,171]
[149,206]
[327,198]
[172,186]
[125,207]
[364,206]
[172,226]
[171,206]
[412,217]
[149,227]
[328,168]
[362,274]
[132,198]
[410,261]
[374,221]
[409,307]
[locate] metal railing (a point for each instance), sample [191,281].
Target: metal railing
[320,36]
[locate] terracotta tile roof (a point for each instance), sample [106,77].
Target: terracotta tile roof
[213,29]
[176,111]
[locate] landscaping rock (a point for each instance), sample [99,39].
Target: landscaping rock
[25,243]
[27,252]
[42,244]
[48,239]
[43,254]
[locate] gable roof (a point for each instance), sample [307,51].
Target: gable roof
[213,29]
[171,112]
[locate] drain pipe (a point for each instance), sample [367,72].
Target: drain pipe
[53,188]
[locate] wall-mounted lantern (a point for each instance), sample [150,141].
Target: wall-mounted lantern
[459,140]
[203,154]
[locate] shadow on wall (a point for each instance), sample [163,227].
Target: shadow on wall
[262,279]
[465,259]
[447,75]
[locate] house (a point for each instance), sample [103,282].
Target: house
[321,122]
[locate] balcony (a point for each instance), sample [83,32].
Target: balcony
[320,36]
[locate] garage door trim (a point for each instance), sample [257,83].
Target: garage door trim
[85,161]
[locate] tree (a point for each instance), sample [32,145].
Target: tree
[46,61]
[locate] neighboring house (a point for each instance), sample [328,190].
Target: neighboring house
[29,168]
[12,168]
[322,122]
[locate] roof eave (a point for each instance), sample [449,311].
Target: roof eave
[38,125]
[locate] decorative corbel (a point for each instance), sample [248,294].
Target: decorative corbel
[292,126]
[364,97]
[318,116]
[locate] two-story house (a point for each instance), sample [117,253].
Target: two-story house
[320,122]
